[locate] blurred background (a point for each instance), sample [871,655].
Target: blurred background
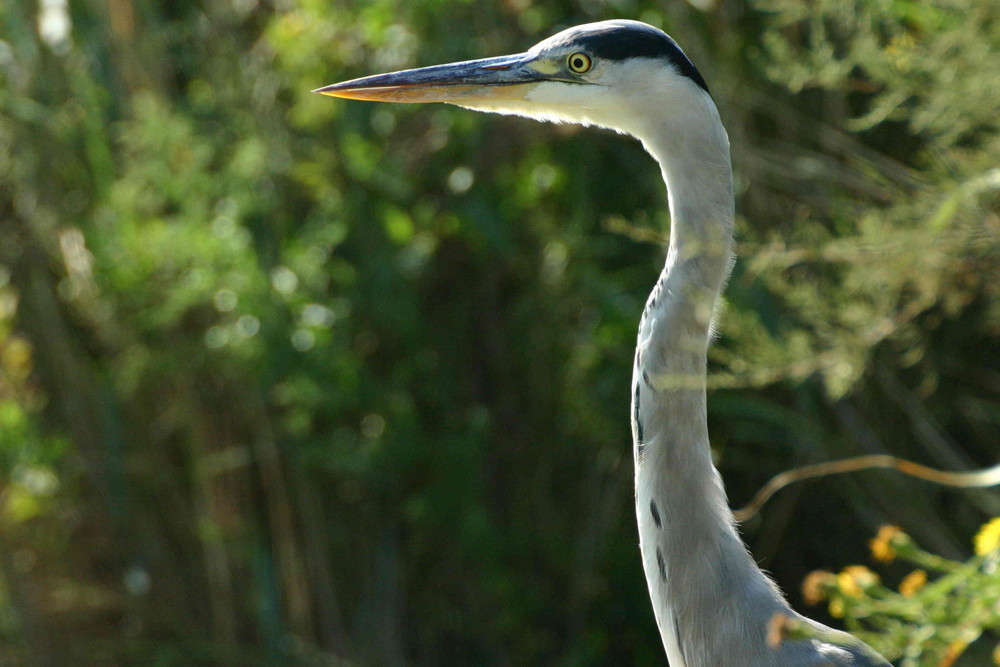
[292,380]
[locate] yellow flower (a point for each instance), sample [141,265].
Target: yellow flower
[848,586]
[862,575]
[814,585]
[777,629]
[854,579]
[881,544]
[837,608]
[988,537]
[912,583]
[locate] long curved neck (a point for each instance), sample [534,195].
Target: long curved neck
[696,565]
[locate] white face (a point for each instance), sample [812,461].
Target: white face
[582,87]
[622,95]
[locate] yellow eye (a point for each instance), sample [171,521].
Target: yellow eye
[580,63]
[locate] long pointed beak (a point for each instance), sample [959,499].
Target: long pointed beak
[505,77]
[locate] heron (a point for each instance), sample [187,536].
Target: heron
[712,603]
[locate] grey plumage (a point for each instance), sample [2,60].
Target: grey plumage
[712,602]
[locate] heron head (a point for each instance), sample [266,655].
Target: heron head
[613,74]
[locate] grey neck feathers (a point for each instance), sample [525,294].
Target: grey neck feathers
[697,567]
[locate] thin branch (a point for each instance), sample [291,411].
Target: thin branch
[966,480]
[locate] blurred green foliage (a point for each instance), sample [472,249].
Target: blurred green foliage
[288,379]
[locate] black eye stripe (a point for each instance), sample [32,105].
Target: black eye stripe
[621,42]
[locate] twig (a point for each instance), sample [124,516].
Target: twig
[968,479]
